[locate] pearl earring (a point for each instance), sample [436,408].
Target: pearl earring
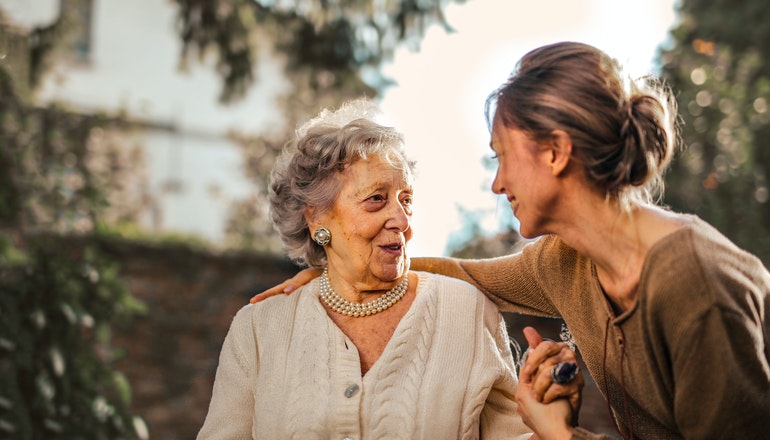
[322,236]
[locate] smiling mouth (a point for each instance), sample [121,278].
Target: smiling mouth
[395,247]
[514,203]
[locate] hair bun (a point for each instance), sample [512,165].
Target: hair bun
[644,139]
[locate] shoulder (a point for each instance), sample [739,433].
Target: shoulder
[442,285]
[700,250]
[276,310]
[698,267]
[457,296]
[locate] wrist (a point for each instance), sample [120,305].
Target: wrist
[565,434]
[556,433]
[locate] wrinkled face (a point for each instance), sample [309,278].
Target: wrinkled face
[524,177]
[370,224]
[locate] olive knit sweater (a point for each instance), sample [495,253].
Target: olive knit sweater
[689,360]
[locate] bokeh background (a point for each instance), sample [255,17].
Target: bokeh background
[136,139]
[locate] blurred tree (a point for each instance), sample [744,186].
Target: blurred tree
[60,173]
[719,65]
[56,376]
[333,50]
[327,43]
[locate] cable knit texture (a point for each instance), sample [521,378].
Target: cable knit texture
[287,371]
[690,360]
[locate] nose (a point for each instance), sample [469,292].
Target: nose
[497,186]
[400,218]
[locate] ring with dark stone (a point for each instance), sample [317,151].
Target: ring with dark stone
[564,372]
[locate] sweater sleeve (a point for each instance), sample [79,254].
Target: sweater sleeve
[230,412]
[515,282]
[722,379]
[499,417]
[714,320]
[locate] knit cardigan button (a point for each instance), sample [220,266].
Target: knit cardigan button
[351,390]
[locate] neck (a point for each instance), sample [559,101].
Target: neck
[359,288]
[617,242]
[345,307]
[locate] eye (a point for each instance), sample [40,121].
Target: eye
[407,201]
[375,202]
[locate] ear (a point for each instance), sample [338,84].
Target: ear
[560,151]
[310,217]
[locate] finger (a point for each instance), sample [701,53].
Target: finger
[556,391]
[567,354]
[572,391]
[532,336]
[305,276]
[542,380]
[537,356]
[284,287]
[575,401]
[300,279]
[534,339]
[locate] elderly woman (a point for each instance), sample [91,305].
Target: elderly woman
[368,349]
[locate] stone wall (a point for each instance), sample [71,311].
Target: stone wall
[171,353]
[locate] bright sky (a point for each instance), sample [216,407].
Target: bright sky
[439,100]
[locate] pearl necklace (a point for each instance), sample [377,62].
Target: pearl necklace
[348,308]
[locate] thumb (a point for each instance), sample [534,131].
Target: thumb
[532,336]
[533,339]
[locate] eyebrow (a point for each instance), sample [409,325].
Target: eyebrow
[380,186]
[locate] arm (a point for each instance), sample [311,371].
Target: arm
[552,418]
[499,416]
[722,355]
[231,409]
[711,329]
[476,272]
[520,282]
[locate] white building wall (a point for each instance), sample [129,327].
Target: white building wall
[134,68]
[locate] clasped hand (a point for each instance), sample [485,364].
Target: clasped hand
[549,408]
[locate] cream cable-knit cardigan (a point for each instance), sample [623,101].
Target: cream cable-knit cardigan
[287,371]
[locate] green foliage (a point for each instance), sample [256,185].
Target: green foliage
[60,170]
[719,65]
[56,307]
[334,40]
[58,175]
